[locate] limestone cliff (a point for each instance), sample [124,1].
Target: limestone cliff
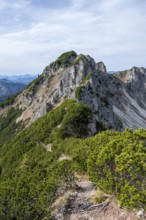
[117,101]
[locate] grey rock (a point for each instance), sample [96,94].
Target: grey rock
[117,101]
[101,67]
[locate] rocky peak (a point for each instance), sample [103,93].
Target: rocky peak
[135,74]
[101,67]
[63,61]
[65,78]
[117,101]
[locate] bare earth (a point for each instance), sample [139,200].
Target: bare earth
[78,206]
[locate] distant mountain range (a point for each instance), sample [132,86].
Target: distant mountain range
[25,79]
[117,99]
[11,85]
[111,72]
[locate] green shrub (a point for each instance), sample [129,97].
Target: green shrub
[117,165]
[78,59]
[64,59]
[32,86]
[87,77]
[8,125]
[100,126]
[9,101]
[78,91]
[31,178]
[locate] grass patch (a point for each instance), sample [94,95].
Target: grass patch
[78,91]
[80,88]
[32,87]
[8,125]
[99,197]
[9,101]
[79,58]
[64,59]
[87,78]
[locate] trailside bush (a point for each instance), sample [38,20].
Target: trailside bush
[31,178]
[119,167]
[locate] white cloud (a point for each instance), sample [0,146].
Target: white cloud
[112,31]
[12,4]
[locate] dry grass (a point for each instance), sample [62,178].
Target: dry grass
[99,196]
[60,202]
[81,177]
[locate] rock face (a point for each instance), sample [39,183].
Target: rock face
[117,101]
[134,97]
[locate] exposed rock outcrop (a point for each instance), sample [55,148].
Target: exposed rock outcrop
[117,101]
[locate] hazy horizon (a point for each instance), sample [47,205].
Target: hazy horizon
[17,74]
[34,33]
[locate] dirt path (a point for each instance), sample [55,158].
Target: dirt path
[79,207]
[80,201]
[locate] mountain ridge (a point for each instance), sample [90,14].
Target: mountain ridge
[59,154]
[116,101]
[25,79]
[11,85]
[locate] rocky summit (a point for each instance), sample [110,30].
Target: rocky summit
[117,100]
[60,156]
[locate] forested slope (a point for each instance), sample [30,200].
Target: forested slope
[32,176]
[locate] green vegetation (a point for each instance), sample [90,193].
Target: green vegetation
[9,101]
[32,178]
[100,126]
[80,57]
[32,86]
[78,91]
[87,78]
[90,89]
[80,88]
[117,165]
[30,90]
[8,125]
[64,59]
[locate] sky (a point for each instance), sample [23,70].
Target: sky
[34,33]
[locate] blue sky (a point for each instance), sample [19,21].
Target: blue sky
[33,33]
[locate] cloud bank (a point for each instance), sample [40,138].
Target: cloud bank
[35,32]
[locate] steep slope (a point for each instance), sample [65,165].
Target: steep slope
[117,101]
[46,144]
[41,163]
[133,112]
